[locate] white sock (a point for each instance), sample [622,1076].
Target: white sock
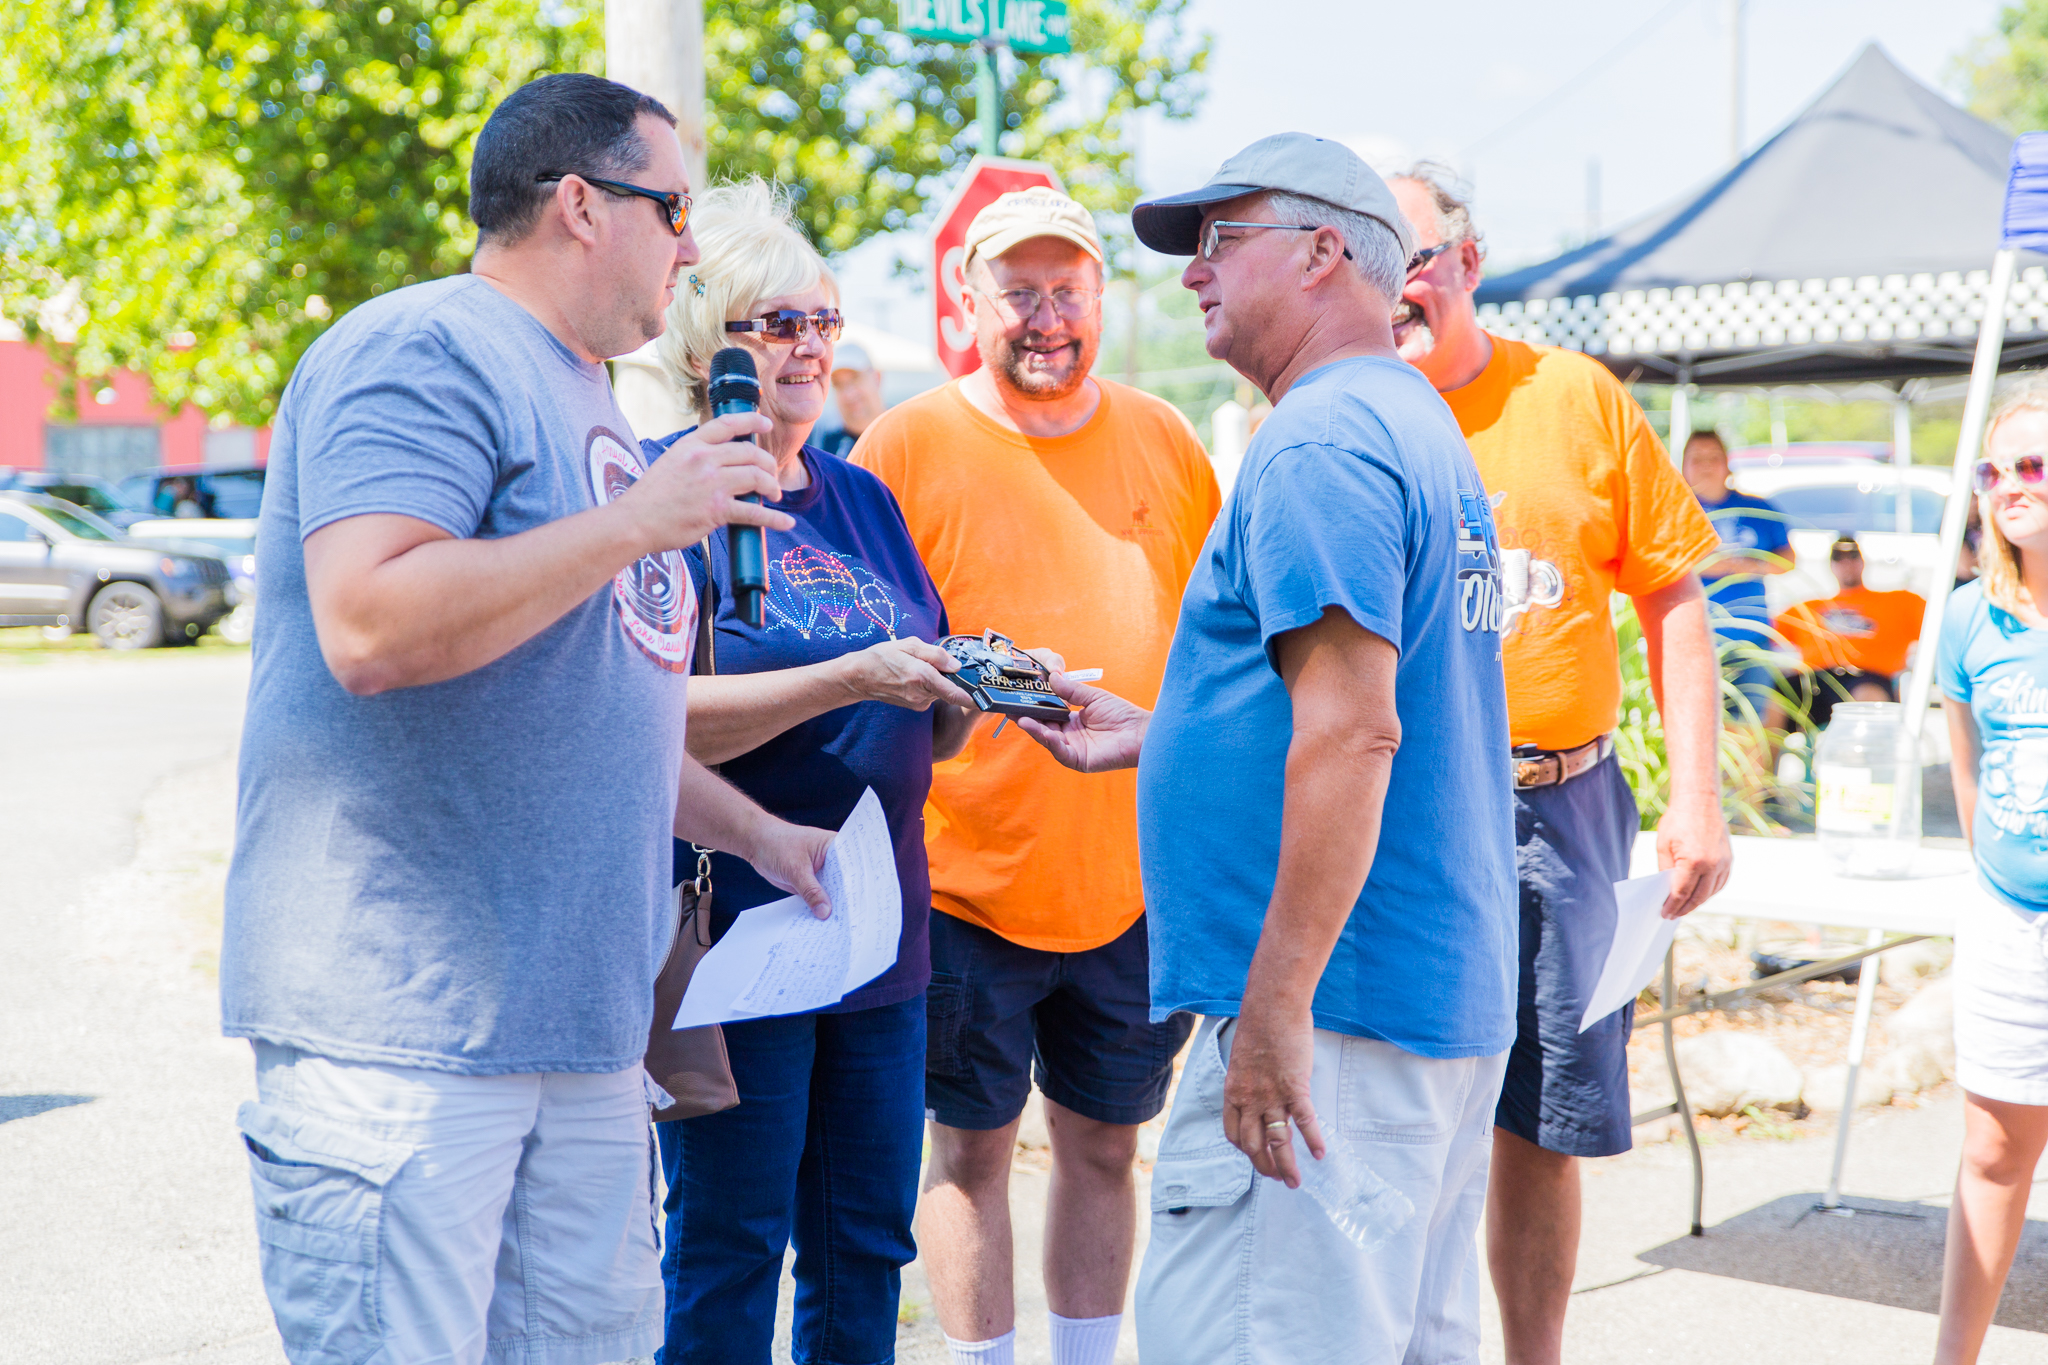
[1084,1341]
[1000,1350]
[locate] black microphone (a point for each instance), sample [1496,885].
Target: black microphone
[736,387]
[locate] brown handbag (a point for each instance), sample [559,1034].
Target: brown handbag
[691,1063]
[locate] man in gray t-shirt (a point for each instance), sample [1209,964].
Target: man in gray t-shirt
[463,765]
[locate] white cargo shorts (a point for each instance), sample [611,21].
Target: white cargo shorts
[1242,1270]
[2001,986]
[424,1217]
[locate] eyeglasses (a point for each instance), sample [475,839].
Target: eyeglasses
[2026,468]
[1426,255]
[1071,304]
[675,206]
[788,325]
[1211,239]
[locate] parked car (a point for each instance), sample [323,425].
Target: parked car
[62,566]
[1799,454]
[235,542]
[1895,514]
[206,491]
[95,495]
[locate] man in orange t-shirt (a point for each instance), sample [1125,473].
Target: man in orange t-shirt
[1587,505]
[1066,512]
[1855,642]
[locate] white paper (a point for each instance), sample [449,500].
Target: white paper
[1641,938]
[1084,675]
[779,958]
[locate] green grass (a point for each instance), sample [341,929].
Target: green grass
[25,645]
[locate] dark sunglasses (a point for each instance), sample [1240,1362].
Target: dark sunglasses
[1426,255]
[787,325]
[675,206]
[2026,468]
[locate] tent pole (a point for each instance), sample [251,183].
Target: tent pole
[1976,410]
[1681,411]
[1902,456]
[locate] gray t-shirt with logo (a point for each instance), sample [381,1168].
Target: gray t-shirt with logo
[471,875]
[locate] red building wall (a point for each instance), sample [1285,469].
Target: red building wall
[28,383]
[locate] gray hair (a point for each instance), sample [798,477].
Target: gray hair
[1374,248]
[1452,198]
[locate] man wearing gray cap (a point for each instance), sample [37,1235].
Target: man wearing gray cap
[1323,809]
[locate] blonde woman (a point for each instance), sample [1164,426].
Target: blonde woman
[841,692]
[1994,670]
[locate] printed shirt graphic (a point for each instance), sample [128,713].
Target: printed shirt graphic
[1078,543]
[1357,494]
[1856,628]
[1998,665]
[657,607]
[844,578]
[1736,604]
[1581,481]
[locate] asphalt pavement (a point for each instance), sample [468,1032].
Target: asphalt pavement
[126,1235]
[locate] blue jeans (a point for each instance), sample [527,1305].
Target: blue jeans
[823,1151]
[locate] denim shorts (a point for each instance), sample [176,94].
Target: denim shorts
[1000,1014]
[1567,1091]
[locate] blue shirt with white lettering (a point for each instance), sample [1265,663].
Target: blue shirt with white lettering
[1736,603]
[1358,494]
[1998,665]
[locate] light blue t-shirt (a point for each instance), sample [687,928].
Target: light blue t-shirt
[471,875]
[1359,493]
[1998,665]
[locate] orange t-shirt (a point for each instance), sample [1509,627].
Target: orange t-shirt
[1856,628]
[1081,544]
[1579,480]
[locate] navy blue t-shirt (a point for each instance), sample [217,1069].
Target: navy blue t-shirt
[847,576]
[1737,607]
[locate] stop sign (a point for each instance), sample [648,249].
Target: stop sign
[986,178]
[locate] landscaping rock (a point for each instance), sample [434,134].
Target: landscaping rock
[1727,1072]
[1825,1085]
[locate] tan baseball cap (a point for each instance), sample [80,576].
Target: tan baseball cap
[1023,214]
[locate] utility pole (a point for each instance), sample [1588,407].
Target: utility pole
[657,47]
[1734,81]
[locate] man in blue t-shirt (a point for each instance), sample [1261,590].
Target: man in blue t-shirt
[1323,807]
[1754,546]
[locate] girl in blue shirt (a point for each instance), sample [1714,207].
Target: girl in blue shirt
[1994,670]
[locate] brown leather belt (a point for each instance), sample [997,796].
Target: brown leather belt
[1554,767]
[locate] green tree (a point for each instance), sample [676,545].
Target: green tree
[2006,73]
[216,179]
[199,186]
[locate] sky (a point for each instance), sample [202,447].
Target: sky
[1519,98]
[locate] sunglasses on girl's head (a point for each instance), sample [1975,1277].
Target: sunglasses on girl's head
[2025,468]
[787,324]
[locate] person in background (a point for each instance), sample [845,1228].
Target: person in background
[839,690]
[1579,480]
[1328,844]
[1754,546]
[857,393]
[463,768]
[1856,642]
[1973,542]
[1993,664]
[1065,510]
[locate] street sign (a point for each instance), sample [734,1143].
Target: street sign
[1021,25]
[986,178]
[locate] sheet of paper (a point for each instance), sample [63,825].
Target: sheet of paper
[779,958]
[1641,937]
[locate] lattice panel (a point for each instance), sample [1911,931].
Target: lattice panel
[1742,316]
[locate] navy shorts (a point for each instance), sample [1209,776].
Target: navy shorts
[999,1015]
[1567,1091]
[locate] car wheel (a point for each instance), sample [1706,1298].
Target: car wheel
[238,627]
[126,616]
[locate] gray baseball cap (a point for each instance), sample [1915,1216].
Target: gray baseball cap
[1293,162]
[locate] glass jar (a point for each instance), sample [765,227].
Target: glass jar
[1866,792]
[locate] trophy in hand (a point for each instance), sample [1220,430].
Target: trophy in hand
[1004,679]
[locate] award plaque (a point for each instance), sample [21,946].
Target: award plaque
[1004,679]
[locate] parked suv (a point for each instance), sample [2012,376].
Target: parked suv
[1895,513]
[227,493]
[62,566]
